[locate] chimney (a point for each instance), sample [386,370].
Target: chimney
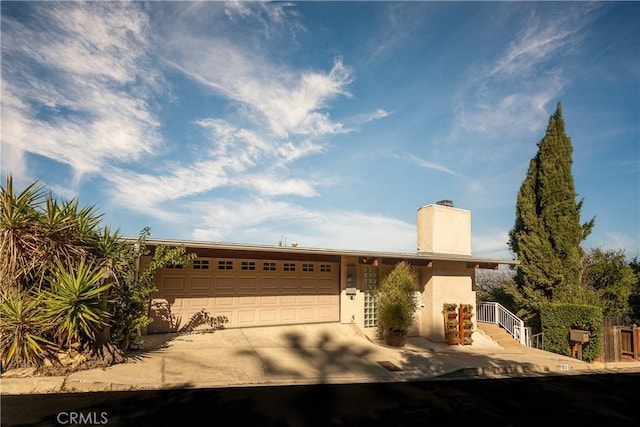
[445,203]
[443,228]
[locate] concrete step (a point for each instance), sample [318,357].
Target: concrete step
[506,343]
[498,335]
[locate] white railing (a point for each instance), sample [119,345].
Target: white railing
[537,341]
[493,312]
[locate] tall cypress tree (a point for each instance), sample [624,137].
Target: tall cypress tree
[547,233]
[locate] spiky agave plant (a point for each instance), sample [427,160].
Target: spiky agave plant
[22,329]
[74,302]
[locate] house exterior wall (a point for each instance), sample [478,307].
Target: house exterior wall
[449,282]
[314,295]
[444,229]
[351,307]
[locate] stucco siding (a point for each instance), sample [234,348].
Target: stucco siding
[450,282]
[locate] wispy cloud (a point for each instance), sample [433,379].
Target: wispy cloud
[358,230]
[510,112]
[533,47]
[402,21]
[508,100]
[244,146]
[281,15]
[91,108]
[289,152]
[229,220]
[284,101]
[269,184]
[264,221]
[491,243]
[615,240]
[428,164]
[543,38]
[369,117]
[472,184]
[236,158]
[143,191]
[77,85]
[279,116]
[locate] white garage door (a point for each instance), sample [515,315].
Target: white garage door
[249,292]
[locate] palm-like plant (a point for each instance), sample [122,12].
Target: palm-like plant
[58,237]
[18,214]
[37,232]
[42,241]
[112,255]
[23,329]
[110,251]
[75,300]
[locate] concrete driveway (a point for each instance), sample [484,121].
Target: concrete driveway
[298,354]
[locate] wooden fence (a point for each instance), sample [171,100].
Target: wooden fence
[619,342]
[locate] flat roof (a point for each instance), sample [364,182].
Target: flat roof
[427,256]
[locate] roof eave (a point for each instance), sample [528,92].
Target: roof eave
[478,262]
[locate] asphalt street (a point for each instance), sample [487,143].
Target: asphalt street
[586,399]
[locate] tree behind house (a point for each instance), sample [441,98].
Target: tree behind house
[496,286]
[611,279]
[634,299]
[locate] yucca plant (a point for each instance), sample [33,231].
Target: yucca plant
[113,256]
[18,216]
[22,329]
[58,238]
[37,231]
[111,252]
[75,300]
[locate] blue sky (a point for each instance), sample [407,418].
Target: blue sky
[328,123]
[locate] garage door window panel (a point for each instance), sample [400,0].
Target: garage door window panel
[225,264]
[248,265]
[174,266]
[200,264]
[325,268]
[268,266]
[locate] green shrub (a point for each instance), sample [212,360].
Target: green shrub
[74,302]
[559,318]
[397,305]
[24,327]
[132,294]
